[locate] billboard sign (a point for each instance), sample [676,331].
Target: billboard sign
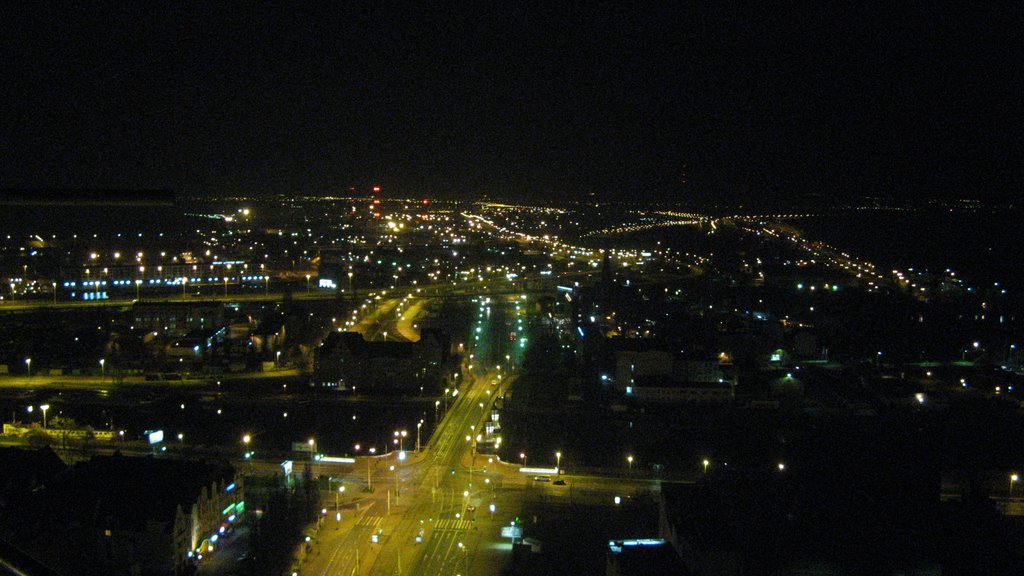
[155,436]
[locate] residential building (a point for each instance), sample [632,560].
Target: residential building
[177,318]
[346,360]
[130,515]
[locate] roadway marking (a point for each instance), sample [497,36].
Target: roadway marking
[450,524]
[371,521]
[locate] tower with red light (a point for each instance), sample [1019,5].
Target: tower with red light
[375,202]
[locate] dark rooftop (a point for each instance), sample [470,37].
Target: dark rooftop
[129,491]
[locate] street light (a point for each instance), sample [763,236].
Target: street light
[630,460]
[418,426]
[312,451]
[278,359]
[1013,477]
[706,462]
[103,367]
[246,439]
[44,408]
[341,490]
[522,456]
[307,283]
[558,461]
[28,364]
[394,469]
[369,479]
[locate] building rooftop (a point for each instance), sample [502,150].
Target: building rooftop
[359,346]
[126,492]
[645,556]
[22,470]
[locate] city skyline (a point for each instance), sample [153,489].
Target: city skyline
[494,289]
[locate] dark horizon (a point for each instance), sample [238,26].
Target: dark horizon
[721,105]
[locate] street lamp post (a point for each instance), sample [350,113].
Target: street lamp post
[277,359]
[437,404]
[630,460]
[103,367]
[246,439]
[44,408]
[522,456]
[137,284]
[394,468]
[312,452]
[706,462]
[341,490]
[369,479]
[558,461]
[418,426]
[307,283]
[28,365]
[350,282]
[1013,477]
[54,292]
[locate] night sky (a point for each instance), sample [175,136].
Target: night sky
[765,103]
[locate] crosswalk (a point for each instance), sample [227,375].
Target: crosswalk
[450,524]
[445,524]
[371,521]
